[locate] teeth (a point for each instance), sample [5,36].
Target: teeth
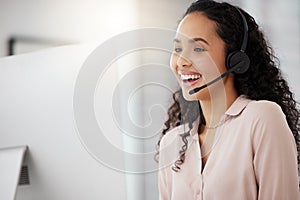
[186,77]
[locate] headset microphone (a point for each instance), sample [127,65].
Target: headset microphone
[236,62]
[211,82]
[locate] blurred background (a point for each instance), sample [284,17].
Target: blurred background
[32,25]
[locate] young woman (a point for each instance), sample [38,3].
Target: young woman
[236,138]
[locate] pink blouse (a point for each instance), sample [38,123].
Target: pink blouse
[253,157]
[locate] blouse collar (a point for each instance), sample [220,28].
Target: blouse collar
[238,106]
[234,110]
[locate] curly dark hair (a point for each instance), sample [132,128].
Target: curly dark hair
[262,81]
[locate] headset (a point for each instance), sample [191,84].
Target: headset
[239,60]
[236,62]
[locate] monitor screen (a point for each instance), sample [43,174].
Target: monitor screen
[36,110]
[90,116]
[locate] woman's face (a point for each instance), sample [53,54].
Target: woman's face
[198,56]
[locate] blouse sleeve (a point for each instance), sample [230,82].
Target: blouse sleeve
[164,173]
[275,155]
[162,185]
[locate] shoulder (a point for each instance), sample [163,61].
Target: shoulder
[175,133]
[263,105]
[264,109]
[267,120]
[172,135]
[265,116]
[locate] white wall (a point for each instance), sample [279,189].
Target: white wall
[84,20]
[280,21]
[65,20]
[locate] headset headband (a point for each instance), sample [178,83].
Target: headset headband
[245,37]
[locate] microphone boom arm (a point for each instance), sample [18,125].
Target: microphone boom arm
[211,82]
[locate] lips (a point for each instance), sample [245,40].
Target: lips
[189,78]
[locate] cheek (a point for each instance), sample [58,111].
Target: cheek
[173,63]
[219,59]
[206,65]
[209,65]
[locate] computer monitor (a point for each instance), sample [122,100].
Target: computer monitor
[36,110]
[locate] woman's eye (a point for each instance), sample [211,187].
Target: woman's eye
[199,49]
[177,50]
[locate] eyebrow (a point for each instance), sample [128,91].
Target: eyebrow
[192,40]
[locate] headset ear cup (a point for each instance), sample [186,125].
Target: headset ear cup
[238,61]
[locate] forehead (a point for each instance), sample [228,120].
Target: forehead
[196,25]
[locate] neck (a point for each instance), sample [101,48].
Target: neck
[215,107]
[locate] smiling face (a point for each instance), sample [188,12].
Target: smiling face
[199,56]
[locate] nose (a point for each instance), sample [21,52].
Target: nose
[183,62]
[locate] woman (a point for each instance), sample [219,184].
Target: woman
[235,138]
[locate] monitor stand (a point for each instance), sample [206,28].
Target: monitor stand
[11,160]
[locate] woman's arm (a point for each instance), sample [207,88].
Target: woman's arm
[275,154]
[165,173]
[162,185]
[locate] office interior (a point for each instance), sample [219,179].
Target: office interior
[44,49]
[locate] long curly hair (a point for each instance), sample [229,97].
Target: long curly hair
[262,81]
